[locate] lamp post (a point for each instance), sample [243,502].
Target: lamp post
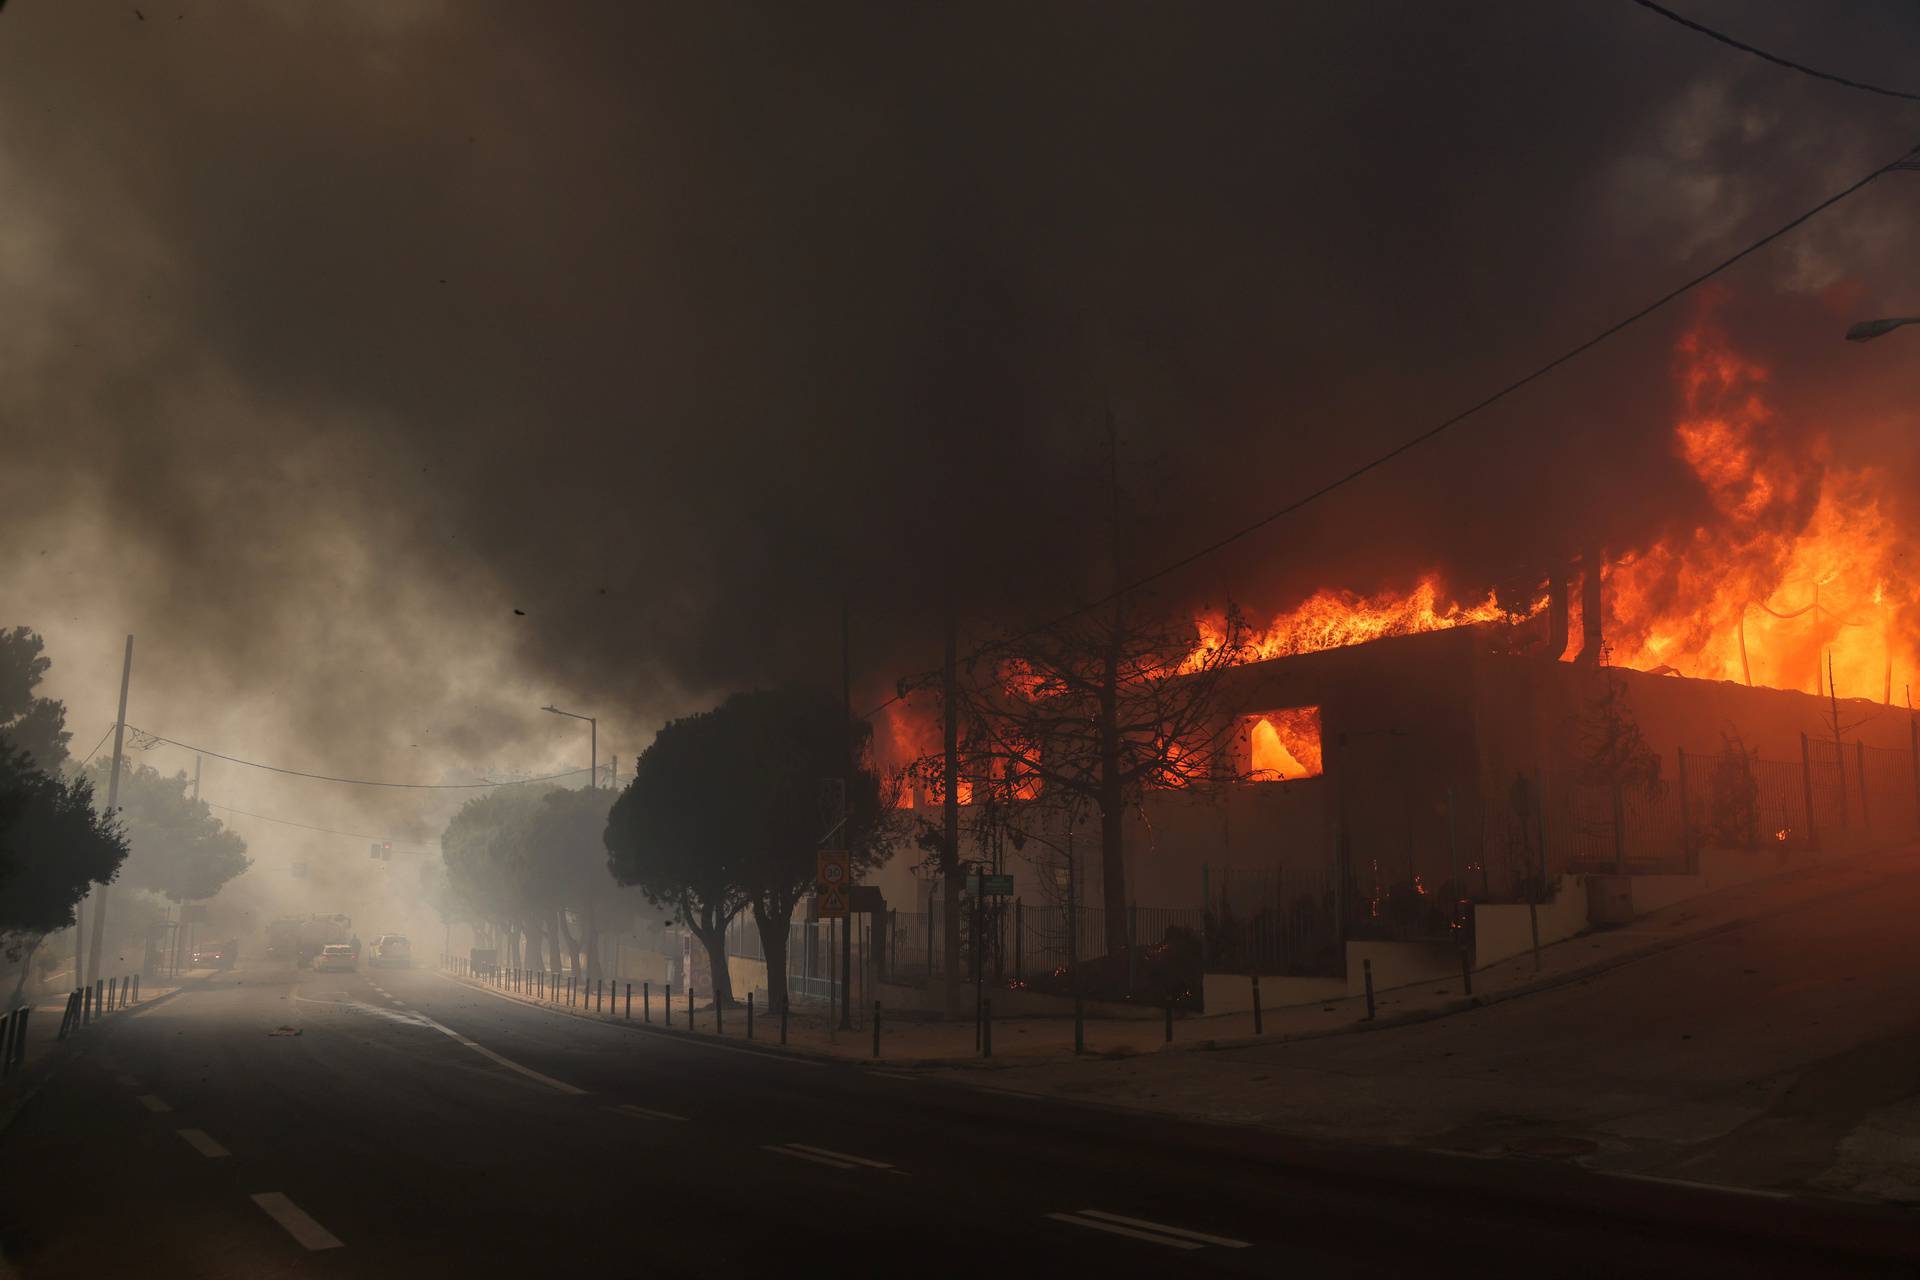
[593,770]
[1867,330]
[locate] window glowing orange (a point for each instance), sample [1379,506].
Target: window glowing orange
[1282,745]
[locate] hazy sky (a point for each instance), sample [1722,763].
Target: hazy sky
[338,332]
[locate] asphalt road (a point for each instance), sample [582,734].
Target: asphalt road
[417,1126]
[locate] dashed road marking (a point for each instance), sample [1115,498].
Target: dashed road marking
[1141,1229]
[838,1155]
[1763,1192]
[803,1155]
[199,1141]
[299,1225]
[152,1103]
[627,1108]
[508,1063]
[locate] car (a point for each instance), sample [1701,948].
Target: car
[216,955]
[335,956]
[390,950]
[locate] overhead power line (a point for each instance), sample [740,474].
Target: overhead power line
[1908,160]
[354,782]
[304,826]
[1775,58]
[103,737]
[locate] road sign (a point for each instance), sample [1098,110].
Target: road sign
[831,869]
[990,886]
[832,903]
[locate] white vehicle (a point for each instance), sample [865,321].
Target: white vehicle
[390,950]
[335,956]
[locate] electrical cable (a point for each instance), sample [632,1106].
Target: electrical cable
[1774,58]
[356,782]
[96,746]
[285,822]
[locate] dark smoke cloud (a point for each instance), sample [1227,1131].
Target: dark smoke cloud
[342,331]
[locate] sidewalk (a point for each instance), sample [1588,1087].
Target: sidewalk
[43,1024]
[909,1040]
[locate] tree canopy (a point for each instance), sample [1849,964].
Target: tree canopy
[53,847]
[176,847]
[728,809]
[33,724]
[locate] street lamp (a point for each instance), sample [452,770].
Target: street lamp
[593,771]
[1867,330]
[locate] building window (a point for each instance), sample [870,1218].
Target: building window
[1283,745]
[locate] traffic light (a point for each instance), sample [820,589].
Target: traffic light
[381,851]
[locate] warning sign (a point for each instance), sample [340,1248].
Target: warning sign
[833,874]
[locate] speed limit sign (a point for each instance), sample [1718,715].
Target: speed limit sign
[831,869]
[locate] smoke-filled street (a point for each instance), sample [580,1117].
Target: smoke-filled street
[420,1126]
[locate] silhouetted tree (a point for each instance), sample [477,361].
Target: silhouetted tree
[489,852]
[53,848]
[177,848]
[33,724]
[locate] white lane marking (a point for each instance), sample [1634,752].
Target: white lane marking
[803,1155]
[199,1141]
[1097,1225]
[629,1109]
[508,1063]
[838,1155]
[701,1041]
[1689,1183]
[153,1104]
[1225,1242]
[299,1225]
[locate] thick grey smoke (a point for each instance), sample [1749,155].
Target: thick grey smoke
[339,333]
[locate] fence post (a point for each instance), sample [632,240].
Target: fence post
[136,988]
[668,1003]
[876,1030]
[1860,769]
[1366,970]
[1020,931]
[1257,1028]
[629,1002]
[749,1015]
[716,1005]
[646,1002]
[1687,851]
[986,1029]
[1806,788]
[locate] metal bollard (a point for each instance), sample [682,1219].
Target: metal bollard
[876,1030]
[1366,969]
[136,988]
[86,1006]
[749,1015]
[112,992]
[669,1003]
[1079,1024]
[629,1002]
[6,1042]
[986,1028]
[719,1028]
[599,996]
[783,1018]
[689,1006]
[646,1002]
[1169,1022]
[1257,1028]
[1466,969]
[20,1036]
[570,978]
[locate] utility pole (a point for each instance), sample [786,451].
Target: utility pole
[113,802]
[846,811]
[950,816]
